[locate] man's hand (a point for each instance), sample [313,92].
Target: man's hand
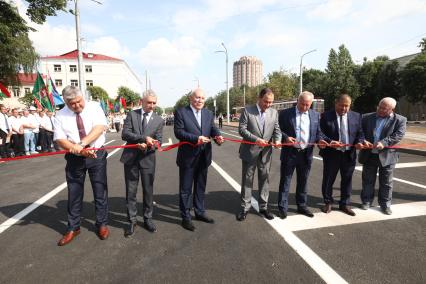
[203,140]
[322,144]
[150,142]
[335,144]
[219,139]
[262,142]
[359,146]
[291,140]
[76,149]
[88,153]
[379,145]
[367,145]
[142,146]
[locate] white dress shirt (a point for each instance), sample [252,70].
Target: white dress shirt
[303,125]
[29,120]
[148,116]
[197,114]
[3,119]
[65,123]
[15,124]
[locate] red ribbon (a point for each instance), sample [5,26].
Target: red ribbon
[176,145]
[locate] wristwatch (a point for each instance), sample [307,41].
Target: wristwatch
[82,144]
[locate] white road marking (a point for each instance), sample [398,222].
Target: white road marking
[109,142]
[403,165]
[311,258]
[169,142]
[238,136]
[337,218]
[17,217]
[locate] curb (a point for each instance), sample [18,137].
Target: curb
[402,150]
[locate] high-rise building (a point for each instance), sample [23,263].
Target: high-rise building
[248,71]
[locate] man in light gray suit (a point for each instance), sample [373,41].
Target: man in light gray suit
[258,123]
[382,128]
[144,128]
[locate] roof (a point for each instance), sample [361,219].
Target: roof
[88,56]
[27,79]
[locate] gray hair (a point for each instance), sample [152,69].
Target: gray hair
[388,101]
[305,94]
[71,92]
[149,93]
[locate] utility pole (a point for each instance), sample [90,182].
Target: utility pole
[244,96]
[146,81]
[227,85]
[82,84]
[301,71]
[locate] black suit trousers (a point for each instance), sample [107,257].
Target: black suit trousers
[333,162]
[132,173]
[75,172]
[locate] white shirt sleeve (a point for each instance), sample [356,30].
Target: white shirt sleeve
[59,132]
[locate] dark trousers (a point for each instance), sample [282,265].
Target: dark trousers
[131,175]
[46,139]
[369,173]
[189,177]
[333,162]
[18,144]
[75,172]
[4,147]
[117,126]
[300,162]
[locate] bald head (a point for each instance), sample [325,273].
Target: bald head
[197,99]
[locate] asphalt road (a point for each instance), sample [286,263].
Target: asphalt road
[367,248]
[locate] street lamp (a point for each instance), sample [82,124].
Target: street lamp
[198,82]
[301,71]
[227,86]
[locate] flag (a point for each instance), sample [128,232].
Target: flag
[4,93]
[123,103]
[117,106]
[40,92]
[53,93]
[37,103]
[103,106]
[111,107]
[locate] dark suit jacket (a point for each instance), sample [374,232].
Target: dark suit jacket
[330,129]
[287,121]
[186,128]
[392,133]
[132,134]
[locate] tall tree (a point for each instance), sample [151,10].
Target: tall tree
[98,93]
[414,79]
[183,101]
[340,76]
[130,96]
[313,81]
[283,85]
[422,45]
[16,50]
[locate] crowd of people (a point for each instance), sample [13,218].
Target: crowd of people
[339,133]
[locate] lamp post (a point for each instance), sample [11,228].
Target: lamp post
[198,82]
[301,70]
[227,86]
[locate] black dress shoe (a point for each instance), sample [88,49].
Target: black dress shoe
[130,230]
[242,215]
[187,224]
[347,209]
[204,218]
[265,213]
[149,225]
[305,211]
[282,214]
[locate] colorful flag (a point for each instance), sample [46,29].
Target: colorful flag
[57,99]
[37,103]
[111,107]
[40,92]
[123,103]
[103,106]
[4,93]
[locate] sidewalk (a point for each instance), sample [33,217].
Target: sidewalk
[415,134]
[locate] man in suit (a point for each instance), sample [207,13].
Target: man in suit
[194,124]
[80,125]
[258,123]
[340,127]
[301,129]
[144,128]
[5,132]
[382,128]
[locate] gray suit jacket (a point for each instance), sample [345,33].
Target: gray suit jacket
[132,134]
[392,133]
[250,129]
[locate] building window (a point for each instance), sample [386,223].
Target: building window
[88,68]
[57,68]
[73,68]
[27,91]
[16,92]
[58,82]
[74,83]
[89,83]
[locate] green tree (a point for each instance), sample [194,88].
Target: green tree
[283,85]
[422,45]
[313,81]
[98,93]
[414,79]
[16,50]
[183,101]
[130,96]
[340,76]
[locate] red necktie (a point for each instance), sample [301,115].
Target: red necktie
[80,126]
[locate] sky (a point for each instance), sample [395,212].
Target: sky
[175,41]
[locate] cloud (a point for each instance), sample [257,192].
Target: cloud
[332,10]
[48,40]
[162,53]
[108,45]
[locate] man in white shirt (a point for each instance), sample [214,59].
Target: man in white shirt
[77,126]
[5,132]
[29,123]
[46,131]
[37,119]
[17,133]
